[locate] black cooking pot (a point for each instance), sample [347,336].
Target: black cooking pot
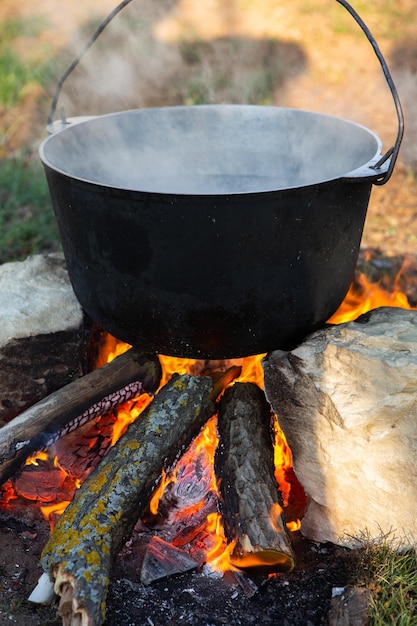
[214,231]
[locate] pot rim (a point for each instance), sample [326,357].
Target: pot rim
[365,172]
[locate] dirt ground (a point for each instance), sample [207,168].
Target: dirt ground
[295,56]
[301,598]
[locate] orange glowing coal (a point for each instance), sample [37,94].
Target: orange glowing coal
[362,297]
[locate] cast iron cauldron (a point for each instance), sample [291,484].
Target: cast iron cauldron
[213,231]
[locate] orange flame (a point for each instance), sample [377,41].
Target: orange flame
[251,367]
[274,516]
[159,491]
[39,456]
[128,413]
[364,296]
[218,557]
[203,448]
[282,459]
[52,512]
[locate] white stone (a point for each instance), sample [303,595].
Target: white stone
[43,332]
[36,297]
[347,402]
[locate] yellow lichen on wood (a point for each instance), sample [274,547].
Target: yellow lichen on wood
[101,517]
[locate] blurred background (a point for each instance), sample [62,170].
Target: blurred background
[307,54]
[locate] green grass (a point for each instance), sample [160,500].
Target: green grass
[27,223]
[391,574]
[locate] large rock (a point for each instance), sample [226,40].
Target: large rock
[347,402]
[43,332]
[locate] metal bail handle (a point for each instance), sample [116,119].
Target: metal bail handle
[78,58]
[392,153]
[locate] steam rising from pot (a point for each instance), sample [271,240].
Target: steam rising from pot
[220,149]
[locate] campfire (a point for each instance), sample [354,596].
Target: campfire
[187,454]
[208,495]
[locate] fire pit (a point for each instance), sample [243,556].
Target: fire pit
[147,554]
[80,450]
[197,311]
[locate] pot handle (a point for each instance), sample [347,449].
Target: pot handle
[392,153]
[380,177]
[75,62]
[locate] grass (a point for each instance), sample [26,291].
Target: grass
[27,223]
[389,17]
[391,575]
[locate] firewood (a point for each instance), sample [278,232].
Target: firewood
[162,559]
[65,608]
[250,582]
[37,426]
[187,526]
[244,467]
[100,519]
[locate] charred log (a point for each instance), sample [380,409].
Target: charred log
[162,559]
[40,425]
[244,466]
[104,511]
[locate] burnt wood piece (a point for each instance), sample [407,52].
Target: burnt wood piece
[244,467]
[102,407]
[187,527]
[100,519]
[162,559]
[35,427]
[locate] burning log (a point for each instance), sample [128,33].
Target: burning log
[104,511]
[244,466]
[41,424]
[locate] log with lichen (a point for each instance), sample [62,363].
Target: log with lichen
[104,511]
[244,465]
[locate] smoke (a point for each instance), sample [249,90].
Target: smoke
[136,62]
[127,67]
